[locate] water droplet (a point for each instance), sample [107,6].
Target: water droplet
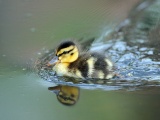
[3,55]
[39,53]
[33,29]
[24,69]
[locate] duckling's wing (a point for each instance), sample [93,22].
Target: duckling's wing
[103,65]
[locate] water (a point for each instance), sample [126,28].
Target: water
[133,46]
[135,58]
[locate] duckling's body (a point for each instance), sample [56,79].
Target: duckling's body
[73,63]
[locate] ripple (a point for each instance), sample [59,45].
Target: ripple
[130,47]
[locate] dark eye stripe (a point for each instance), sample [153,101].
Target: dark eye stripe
[66,98]
[65,52]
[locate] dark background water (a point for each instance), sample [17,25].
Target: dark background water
[30,28]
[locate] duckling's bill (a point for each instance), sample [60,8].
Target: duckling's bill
[55,89]
[53,61]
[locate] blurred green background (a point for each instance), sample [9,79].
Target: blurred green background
[29,26]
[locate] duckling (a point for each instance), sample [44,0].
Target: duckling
[67,95]
[71,61]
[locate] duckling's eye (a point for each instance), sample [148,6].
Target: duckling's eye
[71,53]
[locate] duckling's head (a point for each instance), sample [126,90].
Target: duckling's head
[67,52]
[67,95]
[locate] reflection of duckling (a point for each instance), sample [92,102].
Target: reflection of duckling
[71,62]
[67,95]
